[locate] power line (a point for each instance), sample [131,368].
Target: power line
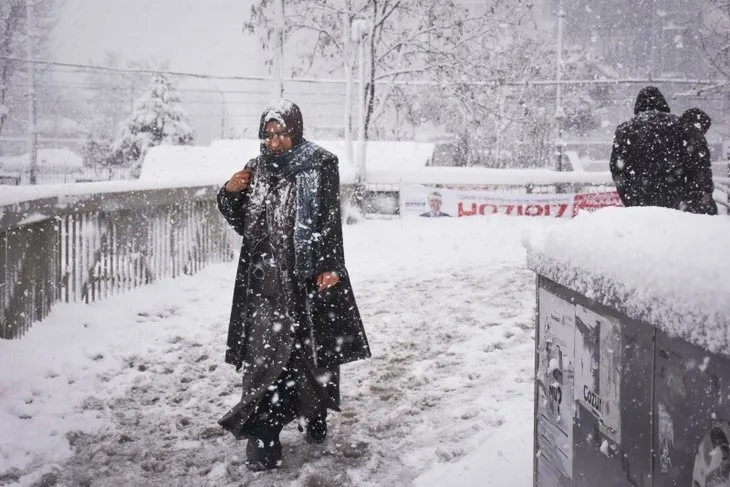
[111,69]
[75,86]
[483,83]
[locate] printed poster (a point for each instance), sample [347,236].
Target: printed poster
[712,461]
[555,382]
[598,365]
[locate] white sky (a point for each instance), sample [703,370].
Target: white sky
[193,35]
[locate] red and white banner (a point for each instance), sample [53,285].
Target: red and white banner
[440,202]
[595,201]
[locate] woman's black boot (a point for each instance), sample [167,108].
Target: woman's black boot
[317,428]
[263,453]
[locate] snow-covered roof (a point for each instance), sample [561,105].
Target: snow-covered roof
[47,158]
[223,157]
[656,265]
[388,162]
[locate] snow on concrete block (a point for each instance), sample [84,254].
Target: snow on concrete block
[664,267]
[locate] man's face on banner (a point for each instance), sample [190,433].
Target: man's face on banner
[434,203]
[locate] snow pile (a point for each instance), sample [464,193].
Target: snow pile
[660,266]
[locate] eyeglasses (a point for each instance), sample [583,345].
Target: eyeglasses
[278,135]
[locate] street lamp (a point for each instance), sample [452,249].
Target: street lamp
[347,38]
[559,111]
[32,127]
[279,50]
[360,29]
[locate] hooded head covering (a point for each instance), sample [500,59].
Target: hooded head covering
[288,115]
[650,98]
[694,117]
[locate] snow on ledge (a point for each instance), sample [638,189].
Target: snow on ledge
[10,195]
[664,267]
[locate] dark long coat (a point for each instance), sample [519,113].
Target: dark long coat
[649,160]
[336,327]
[699,182]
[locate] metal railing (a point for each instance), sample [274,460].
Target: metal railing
[84,248]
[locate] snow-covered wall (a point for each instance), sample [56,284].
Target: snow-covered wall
[664,267]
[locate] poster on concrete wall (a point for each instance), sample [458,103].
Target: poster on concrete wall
[598,365]
[712,461]
[555,378]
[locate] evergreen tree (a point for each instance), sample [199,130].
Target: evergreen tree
[158,118]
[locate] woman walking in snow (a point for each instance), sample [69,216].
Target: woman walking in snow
[294,319]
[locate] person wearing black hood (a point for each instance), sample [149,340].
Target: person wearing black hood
[697,197]
[649,160]
[294,319]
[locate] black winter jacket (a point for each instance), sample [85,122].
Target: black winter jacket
[649,160]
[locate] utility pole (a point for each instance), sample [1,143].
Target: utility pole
[347,38]
[279,51]
[32,128]
[559,112]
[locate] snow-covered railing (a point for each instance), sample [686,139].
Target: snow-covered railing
[81,243]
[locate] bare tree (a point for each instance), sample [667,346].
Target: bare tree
[14,48]
[408,39]
[715,34]
[12,20]
[501,123]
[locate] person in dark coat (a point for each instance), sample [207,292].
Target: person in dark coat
[697,197]
[649,160]
[294,319]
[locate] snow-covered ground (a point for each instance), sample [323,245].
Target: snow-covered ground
[126,392]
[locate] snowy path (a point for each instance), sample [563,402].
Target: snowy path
[135,384]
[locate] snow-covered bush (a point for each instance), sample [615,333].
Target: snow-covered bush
[158,118]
